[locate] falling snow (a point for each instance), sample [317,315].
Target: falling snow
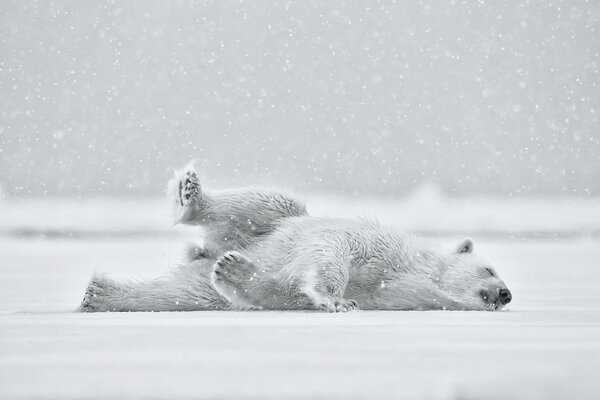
[475,118]
[475,97]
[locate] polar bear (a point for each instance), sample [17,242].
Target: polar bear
[263,251]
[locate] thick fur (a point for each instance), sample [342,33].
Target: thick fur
[187,288]
[263,251]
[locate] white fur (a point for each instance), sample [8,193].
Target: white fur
[263,251]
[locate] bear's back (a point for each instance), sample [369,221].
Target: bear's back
[303,237]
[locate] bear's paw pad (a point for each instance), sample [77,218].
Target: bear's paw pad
[188,189]
[234,268]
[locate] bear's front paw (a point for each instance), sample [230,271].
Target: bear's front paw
[234,278]
[344,305]
[235,270]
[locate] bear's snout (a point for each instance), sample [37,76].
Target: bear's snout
[496,298]
[505,296]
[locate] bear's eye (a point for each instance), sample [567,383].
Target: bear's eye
[489,270]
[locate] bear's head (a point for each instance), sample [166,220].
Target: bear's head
[472,282]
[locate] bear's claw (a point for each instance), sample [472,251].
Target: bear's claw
[234,269]
[231,257]
[341,305]
[233,277]
[345,305]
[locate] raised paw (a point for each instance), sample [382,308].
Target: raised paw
[186,196]
[188,189]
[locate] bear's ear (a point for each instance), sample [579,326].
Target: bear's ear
[466,246]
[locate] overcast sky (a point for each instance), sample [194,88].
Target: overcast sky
[480,97]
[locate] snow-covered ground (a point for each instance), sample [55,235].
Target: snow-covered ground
[545,346]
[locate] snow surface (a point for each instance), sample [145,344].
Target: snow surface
[546,346]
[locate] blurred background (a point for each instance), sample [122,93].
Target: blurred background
[351,98]
[463,116]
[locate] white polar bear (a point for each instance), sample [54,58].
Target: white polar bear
[263,251]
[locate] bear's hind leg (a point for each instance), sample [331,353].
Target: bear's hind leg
[186,289]
[233,219]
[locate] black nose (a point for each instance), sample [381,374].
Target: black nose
[505,296]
